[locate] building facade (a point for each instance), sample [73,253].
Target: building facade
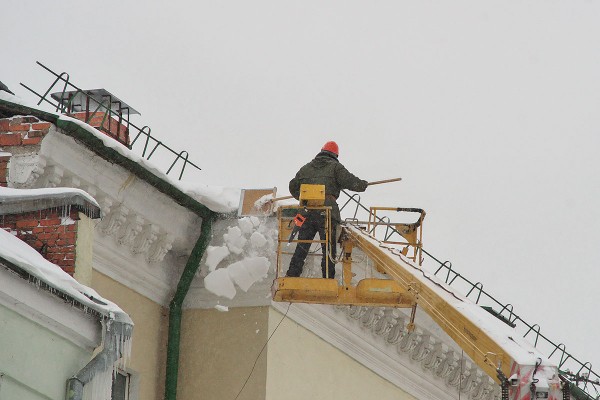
[196,280]
[50,324]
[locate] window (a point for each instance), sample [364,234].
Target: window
[120,386]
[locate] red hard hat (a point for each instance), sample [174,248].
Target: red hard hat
[331,147]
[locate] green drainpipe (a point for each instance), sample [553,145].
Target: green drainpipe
[175,311]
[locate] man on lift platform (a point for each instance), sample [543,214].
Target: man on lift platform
[324,169]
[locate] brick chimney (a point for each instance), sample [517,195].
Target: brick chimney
[100,109]
[23,131]
[48,221]
[48,233]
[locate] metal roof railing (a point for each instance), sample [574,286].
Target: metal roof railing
[64,104]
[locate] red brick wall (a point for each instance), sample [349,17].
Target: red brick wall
[47,233]
[19,131]
[110,126]
[29,130]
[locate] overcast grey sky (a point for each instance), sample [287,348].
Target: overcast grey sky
[488,110]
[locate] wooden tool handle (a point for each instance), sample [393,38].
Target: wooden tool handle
[385,181]
[281,198]
[370,183]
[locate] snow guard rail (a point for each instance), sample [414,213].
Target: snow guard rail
[578,377]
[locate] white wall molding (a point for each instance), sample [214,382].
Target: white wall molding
[143,236]
[130,271]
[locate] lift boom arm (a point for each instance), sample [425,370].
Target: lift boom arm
[518,367]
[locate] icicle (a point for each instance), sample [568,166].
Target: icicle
[124,346]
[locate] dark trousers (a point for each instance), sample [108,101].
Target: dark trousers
[315,223]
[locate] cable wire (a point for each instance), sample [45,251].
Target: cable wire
[261,350]
[462,357]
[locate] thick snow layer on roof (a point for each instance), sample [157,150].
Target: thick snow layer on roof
[22,255]
[15,99]
[216,198]
[25,200]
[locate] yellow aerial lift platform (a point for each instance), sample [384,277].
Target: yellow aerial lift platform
[522,372]
[368,291]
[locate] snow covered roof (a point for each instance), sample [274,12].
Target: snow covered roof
[14,201]
[17,253]
[215,198]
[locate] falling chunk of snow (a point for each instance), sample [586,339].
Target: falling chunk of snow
[219,283]
[255,221]
[258,240]
[258,267]
[243,273]
[214,255]
[248,271]
[261,202]
[222,308]
[258,330]
[246,225]
[235,240]
[238,272]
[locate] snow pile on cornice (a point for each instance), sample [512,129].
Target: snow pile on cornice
[216,198]
[241,258]
[220,199]
[18,253]
[24,200]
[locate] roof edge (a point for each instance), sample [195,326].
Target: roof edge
[24,274]
[18,201]
[96,145]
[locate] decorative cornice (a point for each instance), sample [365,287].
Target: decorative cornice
[126,270]
[129,229]
[137,242]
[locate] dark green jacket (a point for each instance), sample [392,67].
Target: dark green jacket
[326,170]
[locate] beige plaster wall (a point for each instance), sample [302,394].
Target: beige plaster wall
[149,334]
[303,366]
[218,352]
